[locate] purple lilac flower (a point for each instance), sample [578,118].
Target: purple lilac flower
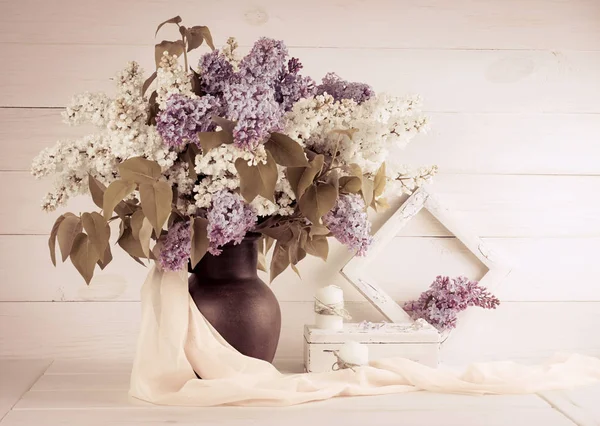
[229,219]
[264,62]
[215,72]
[175,251]
[348,222]
[340,89]
[446,297]
[184,117]
[254,108]
[291,86]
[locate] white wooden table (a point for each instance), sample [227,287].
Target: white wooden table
[94,393]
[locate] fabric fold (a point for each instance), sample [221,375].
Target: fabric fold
[175,341]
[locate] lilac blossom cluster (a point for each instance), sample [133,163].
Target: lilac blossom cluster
[446,297]
[340,89]
[259,93]
[229,219]
[184,117]
[175,251]
[349,223]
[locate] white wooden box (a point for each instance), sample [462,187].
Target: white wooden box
[416,341]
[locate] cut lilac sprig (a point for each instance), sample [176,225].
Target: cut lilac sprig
[340,89]
[446,297]
[229,219]
[176,248]
[349,223]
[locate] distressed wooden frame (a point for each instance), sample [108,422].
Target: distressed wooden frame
[422,198]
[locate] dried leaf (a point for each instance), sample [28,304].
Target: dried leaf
[68,230]
[136,222]
[97,229]
[148,82]
[367,190]
[84,256]
[262,262]
[144,236]
[52,239]
[114,194]
[210,140]
[199,240]
[309,174]
[132,246]
[96,190]
[175,48]
[317,246]
[380,181]
[156,202]
[293,175]
[175,20]
[350,184]
[318,230]
[195,38]
[380,204]
[268,243]
[125,223]
[334,179]
[206,34]
[345,132]
[286,151]
[317,200]
[282,233]
[355,170]
[280,260]
[190,154]
[139,170]
[106,258]
[223,123]
[257,180]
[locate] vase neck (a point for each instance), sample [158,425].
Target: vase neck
[236,262]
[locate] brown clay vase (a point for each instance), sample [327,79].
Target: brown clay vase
[238,304]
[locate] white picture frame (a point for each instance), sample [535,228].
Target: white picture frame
[422,198]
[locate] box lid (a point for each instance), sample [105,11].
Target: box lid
[411,332]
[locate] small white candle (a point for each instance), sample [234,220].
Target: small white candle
[330,295]
[354,353]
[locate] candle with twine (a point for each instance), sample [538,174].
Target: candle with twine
[329,308]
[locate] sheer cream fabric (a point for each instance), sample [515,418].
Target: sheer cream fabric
[176,340]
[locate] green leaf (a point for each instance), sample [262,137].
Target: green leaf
[175,20]
[309,175]
[114,194]
[84,256]
[317,246]
[280,261]
[52,239]
[210,140]
[286,151]
[156,202]
[317,201]
[175,48]
[68,230]
[199,240]
[97,230]
[139,170]
[350,184]
[257,180]
[379,182]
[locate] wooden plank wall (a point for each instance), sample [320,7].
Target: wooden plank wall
[512,88]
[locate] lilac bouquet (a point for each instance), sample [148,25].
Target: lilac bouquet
[194,158]
[446,297]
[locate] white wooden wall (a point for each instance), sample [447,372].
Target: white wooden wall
[512,87]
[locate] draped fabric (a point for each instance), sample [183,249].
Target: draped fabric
[176,341]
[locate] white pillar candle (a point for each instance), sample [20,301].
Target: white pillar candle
[330,295]
[354,353]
